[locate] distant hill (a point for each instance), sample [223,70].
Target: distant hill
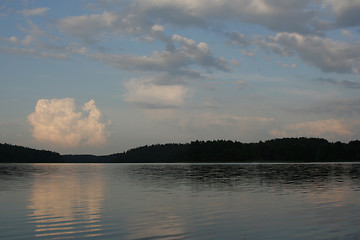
[276,150]
[13,153]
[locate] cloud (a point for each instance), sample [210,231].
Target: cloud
[240,83]
[89,28]
[287,65]
[35,12]
[271,14]
[140,16]
[343,83]
[346,12]
[248,53]
[11,39]
[200,53]
[56,121]
[33,29]
[31,52]
[149,93]
[332,129]
[228,119]
[323,53]
[346,33]
[176,61]
[28,40]
[236,38]
[34,34]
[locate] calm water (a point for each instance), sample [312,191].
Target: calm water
[180,201]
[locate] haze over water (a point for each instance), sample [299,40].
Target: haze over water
[179,201]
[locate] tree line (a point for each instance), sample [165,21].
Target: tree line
[13,153]
[275,150]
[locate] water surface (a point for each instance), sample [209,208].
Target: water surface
[179,201]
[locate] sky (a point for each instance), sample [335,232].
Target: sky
[105,76]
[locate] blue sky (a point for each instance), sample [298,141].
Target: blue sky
[105,76]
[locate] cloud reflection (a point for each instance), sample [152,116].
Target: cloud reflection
[62,206]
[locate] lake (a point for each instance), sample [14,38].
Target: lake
[180,201]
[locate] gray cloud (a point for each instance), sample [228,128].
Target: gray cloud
[299,24]
[304,17]
[323,53]
[177,61]
[271,14]
[236,38]
[346,12]
[342,83]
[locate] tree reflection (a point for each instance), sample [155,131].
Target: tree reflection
[244,177]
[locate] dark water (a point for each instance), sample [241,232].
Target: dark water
[180,201]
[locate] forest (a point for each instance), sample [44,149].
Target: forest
[13,153]
[275,150]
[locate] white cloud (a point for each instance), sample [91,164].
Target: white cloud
[56,121]
[158,28]
[149,94]
[333,129]
[34,12]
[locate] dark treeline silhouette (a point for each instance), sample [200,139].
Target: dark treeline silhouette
[88,158]
[276,150]
[13,153]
